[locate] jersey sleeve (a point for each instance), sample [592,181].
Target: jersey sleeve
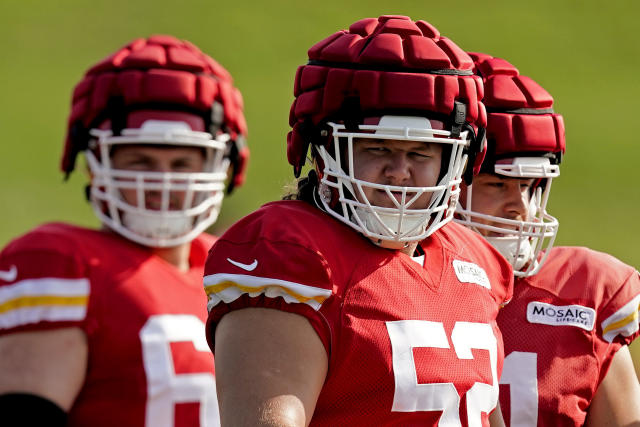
[619,321]
[259,263]
[43,284]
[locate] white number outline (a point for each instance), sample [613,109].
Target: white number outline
[520,372]
[164,387]
[409,396]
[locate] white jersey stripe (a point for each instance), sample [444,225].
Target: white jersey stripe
[46,299]
[623,322]
[223,287]
[46,286]
[30,315]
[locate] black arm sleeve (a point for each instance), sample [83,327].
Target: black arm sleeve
[23,409]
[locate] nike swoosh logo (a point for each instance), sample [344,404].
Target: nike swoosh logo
[9,275]
[247,267]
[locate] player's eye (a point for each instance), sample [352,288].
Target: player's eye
[183,164]
[420,155]
[376,149]
[139,163]
[526,185]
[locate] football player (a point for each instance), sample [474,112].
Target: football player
[354,304]
[574,310]
[106,327]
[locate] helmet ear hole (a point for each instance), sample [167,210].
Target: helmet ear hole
[475,154]
[238,155]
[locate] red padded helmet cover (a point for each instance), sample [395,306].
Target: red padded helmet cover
[388,63]
[520,114]
[163,71]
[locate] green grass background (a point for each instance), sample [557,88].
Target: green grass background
[585,52]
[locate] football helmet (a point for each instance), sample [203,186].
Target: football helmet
[159,92]
[525,139]
[387,78]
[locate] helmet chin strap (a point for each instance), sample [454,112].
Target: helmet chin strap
[158,228]
[382,222]
[518,251]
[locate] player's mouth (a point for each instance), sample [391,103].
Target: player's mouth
[383,199]
[153,201]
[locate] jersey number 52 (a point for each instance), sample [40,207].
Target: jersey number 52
[410,396]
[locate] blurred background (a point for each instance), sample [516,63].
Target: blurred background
[585,53]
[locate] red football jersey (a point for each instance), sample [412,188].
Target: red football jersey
[561,331]
[409,341]
[149,363]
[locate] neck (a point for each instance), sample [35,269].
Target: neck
[178,256]
[410,249]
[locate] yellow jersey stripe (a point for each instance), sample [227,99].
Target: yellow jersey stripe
[219,287]
[44,286]
[633,317]
[42,301]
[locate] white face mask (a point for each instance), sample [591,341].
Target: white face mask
[157,227]
[391,227]
[166,226]
[520,242]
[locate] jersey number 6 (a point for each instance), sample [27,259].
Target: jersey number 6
[165,388]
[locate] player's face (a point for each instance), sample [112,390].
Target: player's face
[500,197]
[149,158]
[397,163]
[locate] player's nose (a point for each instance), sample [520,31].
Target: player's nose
[516,201]
[397,168]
